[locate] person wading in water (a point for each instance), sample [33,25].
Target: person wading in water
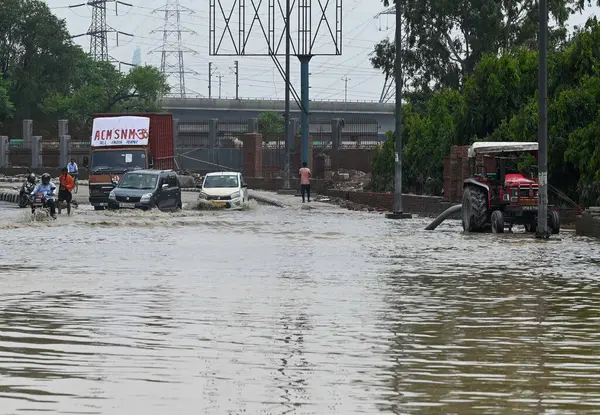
[305,176]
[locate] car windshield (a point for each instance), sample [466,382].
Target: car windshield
[221,181]
[118,161]
[138,181]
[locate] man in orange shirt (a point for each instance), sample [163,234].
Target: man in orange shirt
[64,191]
[305,175]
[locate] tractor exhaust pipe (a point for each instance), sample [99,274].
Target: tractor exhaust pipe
[448,212]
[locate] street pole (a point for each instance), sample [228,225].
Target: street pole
[398,212]
[237,80]
[209,80]
[220,77]
[346,79]
[286,130]
[542,227]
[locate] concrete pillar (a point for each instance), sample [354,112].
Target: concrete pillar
[213,134]
[64,147]
[252,154]
[27,133]
[4,151]
[36,152]
[63,127]
[253,126]
[337,124]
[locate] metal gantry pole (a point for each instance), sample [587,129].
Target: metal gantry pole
[542,227]
[286,132]
[398,212]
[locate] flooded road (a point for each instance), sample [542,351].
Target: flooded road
[272,311]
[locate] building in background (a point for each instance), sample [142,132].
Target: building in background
[137,57]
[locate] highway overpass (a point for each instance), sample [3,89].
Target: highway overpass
[197,109]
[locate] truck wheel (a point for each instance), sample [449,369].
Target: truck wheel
[497,220]
[98,207]
[554,222]
[474,209]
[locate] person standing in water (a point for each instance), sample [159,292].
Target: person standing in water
[305,176]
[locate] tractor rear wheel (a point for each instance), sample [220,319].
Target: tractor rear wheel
[474,209]
[497,220]
[554,222]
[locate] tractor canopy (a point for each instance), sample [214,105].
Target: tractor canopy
[491,147]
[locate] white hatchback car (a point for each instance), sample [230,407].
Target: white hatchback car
[225,189]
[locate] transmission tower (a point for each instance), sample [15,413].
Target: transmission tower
[99,29]
[172,49]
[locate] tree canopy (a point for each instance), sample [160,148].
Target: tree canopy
[444,39]
[45,76]
[271,123]
[498,102]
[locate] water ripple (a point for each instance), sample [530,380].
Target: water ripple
[289,311]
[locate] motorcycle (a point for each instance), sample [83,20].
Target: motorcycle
[39,201]
[24,193]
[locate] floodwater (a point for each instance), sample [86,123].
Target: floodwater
[273,311]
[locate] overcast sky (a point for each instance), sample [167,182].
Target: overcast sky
[258,76]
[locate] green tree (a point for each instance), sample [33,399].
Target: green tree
[444,39]
[35,54]
[6,107]
[99,87]
[499,102]
[45,76]
[270,123]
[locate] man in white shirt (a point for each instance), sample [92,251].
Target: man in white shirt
[72,169]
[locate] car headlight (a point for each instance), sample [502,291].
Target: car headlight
[202,195]
[235,195]
[112,195]
[146,197]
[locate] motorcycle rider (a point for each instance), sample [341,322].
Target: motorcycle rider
[47,188]
[67,183]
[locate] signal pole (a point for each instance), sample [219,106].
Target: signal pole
[398,211]
[542,227]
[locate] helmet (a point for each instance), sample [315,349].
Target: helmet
[45,178]
[31,178]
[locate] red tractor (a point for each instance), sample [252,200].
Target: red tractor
[504,196]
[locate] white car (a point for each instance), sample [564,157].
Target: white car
[225,189]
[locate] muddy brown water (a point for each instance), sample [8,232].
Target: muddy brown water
[272,311]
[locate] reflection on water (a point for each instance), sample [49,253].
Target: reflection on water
[281,311]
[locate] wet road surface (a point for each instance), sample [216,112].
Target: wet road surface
[307,311]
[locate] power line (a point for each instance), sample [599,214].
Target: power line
[172,50]
[99,29]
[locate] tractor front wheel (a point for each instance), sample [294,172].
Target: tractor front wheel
[554,222]
[474,209]
[497,220]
